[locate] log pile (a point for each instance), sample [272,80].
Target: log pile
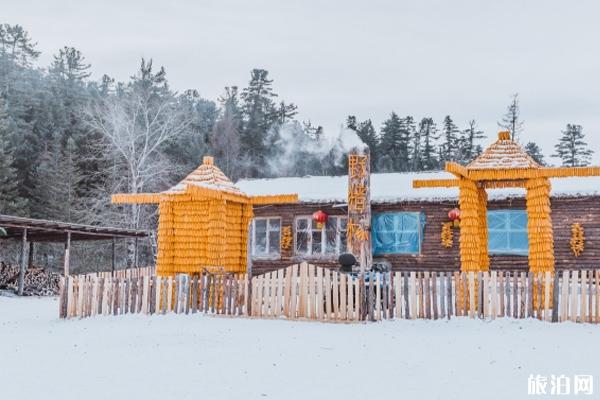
[38,281]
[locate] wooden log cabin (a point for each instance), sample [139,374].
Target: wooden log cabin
[407,222]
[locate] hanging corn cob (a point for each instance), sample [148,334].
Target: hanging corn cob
[577,241]
[447,237]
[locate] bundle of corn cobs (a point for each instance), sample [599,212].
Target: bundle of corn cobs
[38,281]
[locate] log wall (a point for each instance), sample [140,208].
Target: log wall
[435,257]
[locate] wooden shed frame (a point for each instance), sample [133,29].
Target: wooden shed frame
[504,164]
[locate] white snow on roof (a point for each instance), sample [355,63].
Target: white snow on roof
[394,187]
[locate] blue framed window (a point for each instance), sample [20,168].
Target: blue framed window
[397,232]
[507,232]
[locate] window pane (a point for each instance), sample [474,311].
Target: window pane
[331,235]
[260,234]
[518,241]
[316,242]
[274,242]
[408,221]
[397,233]
[301,242]
[497,242]
[496,220]
[508,232]
[274,224]
[301,224]
[518,220]
[343,239]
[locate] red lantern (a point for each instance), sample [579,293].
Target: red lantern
[320,218]
[454,216]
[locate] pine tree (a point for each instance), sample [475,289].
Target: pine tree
[259,114]
[572,149]
[392,145]
[535,152]
[366,132]
[285,112]
[57,178]
[408,134]
[449,148]
[428,134]
[511,121]
[10,201]
[468,148]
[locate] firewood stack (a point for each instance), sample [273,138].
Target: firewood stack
[38,281]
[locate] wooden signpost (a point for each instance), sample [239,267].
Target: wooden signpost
[359,208]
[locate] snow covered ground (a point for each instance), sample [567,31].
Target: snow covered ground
[200,357]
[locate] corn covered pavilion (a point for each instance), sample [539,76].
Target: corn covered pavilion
[504,164]
[203,221]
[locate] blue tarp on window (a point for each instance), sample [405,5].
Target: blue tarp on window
[508,232]
[397,233]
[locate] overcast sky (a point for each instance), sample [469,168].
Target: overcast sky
[420,58]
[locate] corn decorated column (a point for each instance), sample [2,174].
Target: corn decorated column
[470,241]
[484,259]
[539,225]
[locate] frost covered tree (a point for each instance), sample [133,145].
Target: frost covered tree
[511,121]
[136,126]
[10,200]
[225,135]
[572,150]
[535,152]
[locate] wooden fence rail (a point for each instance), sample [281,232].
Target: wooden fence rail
[304,291]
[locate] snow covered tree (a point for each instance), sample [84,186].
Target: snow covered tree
[572,149]
[535,152]
[511,121]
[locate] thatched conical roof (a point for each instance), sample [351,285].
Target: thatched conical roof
[504,154]
[207,175]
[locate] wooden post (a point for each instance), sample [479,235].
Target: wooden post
[249,270]
[135,253]
[23,263]
[114,261]
[67,254]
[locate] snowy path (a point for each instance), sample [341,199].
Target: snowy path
[198,357]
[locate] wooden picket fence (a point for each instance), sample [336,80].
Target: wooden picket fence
[90,295]
[304,291]
[122,273]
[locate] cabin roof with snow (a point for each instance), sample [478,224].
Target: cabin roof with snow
[396,187]
[209,182]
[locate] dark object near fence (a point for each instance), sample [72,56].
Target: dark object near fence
[347,261]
